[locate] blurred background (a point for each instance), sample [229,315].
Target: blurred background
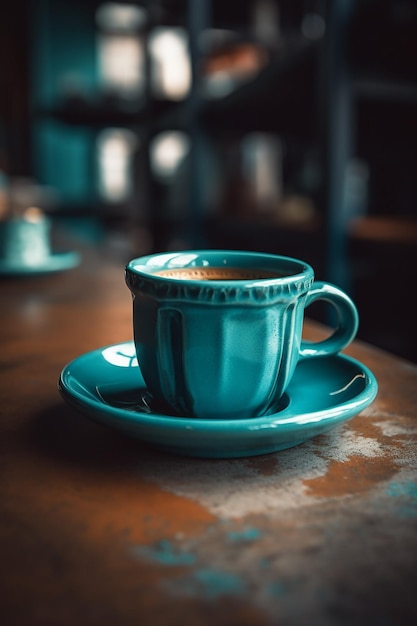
[287,126]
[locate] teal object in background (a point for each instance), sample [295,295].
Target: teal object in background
[25,248]
[63,61]
[227,347]
[55,262]
[106,385]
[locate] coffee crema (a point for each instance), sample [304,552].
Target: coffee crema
[218,273]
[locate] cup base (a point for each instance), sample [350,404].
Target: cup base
[143,401]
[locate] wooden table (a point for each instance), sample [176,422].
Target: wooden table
[98,529]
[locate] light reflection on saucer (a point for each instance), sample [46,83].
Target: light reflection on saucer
[122,355]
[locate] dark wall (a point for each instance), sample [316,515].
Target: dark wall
[15,134]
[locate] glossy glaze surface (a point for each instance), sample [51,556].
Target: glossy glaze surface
[230,347]
[106,385]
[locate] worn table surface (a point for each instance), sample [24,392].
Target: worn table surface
[97,528]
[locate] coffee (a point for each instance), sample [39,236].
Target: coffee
[218,273]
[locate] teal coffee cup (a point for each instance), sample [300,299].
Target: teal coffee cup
[218,334]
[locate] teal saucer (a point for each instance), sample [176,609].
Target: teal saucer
[107,386]
[57,262]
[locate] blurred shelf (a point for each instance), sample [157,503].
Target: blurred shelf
[281,98]
[284,97]
[386,90]
[100,114]
[278,99]
[385,230]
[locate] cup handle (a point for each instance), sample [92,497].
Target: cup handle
[348,320]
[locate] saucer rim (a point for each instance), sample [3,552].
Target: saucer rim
[285,417]
[54,262]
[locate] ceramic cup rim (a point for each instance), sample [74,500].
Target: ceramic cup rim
[141,277]
[296,270]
